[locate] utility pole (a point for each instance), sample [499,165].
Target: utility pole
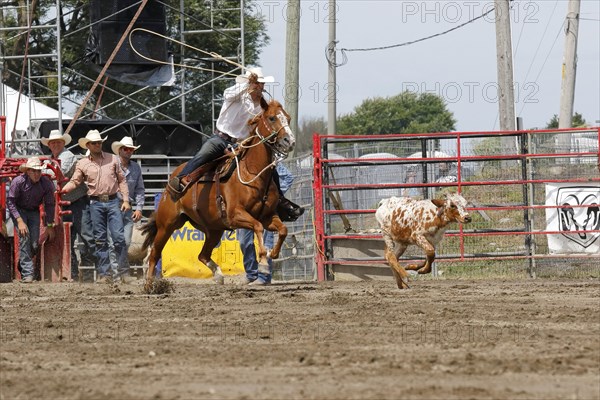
[292,56]
[569,69]
[506,95]
[331,86]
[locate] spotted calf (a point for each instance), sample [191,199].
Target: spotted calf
[405,221]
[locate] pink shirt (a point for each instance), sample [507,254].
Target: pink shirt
[104,178]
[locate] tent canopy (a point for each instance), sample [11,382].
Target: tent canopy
[29,110]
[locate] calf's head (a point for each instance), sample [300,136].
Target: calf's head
[453,207]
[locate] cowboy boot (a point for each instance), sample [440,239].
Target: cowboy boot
[288,211]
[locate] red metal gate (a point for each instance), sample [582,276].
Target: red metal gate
[506,176]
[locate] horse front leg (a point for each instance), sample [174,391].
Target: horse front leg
[263,263]
[277,225]
[240,218]
[210,242]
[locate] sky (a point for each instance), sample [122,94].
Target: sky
[460,66]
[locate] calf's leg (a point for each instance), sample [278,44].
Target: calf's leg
[392,258]
[429,253]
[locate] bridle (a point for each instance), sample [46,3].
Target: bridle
[269,140]
[274,133]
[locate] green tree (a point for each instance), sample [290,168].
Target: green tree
[304,137]
[77,76]
[407,112]
[577,121]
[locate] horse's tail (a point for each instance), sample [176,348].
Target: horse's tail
[149,229]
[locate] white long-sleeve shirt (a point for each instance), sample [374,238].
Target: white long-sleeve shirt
[238,107]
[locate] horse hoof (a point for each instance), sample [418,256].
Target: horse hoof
[219,279]
[264,269]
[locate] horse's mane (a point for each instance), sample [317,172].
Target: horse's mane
[264,104]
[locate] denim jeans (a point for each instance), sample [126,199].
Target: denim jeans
[107,219]
[127,232]
[128,226]
[246,239]
[75,217]
[28,245]
[87,234]
[211,149]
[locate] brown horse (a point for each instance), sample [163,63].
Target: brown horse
[250,196]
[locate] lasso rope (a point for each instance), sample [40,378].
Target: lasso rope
[210,53]
[218,56]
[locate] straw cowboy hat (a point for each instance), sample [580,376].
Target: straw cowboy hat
[125,142]
[92,136]
[32,163]
[258,71]
[55,135]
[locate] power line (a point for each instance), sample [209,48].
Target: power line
[540,43]
[344,50]
[547,56]
[519,40]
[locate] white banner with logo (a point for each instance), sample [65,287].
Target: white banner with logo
[571,219]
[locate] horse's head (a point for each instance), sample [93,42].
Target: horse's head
[272,126]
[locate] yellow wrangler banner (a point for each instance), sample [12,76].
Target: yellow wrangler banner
[180,255]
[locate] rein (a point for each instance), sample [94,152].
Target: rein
[246,147]
[237,162]
[262,140]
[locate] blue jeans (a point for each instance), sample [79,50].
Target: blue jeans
[28,245]
[75,217]
[127,232]
[87,234]
[211,149]
[128,226]
[246,239]
[107,218]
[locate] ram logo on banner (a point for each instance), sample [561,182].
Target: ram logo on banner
[573,219]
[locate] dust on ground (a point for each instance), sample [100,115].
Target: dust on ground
[442,339]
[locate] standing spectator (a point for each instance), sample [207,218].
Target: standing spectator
[133,174]
[411,177]
[246,239]
[27,192]
[78,197]
[101,172]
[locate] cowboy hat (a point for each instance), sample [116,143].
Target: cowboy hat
[92,136]
[32,163]
[55,135]
[258,72]
[125,142]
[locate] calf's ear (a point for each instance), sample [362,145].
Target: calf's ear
[440,205]
[438,202]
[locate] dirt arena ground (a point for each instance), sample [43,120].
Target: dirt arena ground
[442,339]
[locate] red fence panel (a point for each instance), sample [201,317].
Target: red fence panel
[535,202]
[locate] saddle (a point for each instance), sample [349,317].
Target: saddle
[222,167]
[219,171]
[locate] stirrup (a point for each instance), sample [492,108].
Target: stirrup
[175,184]
[178,185]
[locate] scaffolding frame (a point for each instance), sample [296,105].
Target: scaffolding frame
[55,61]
